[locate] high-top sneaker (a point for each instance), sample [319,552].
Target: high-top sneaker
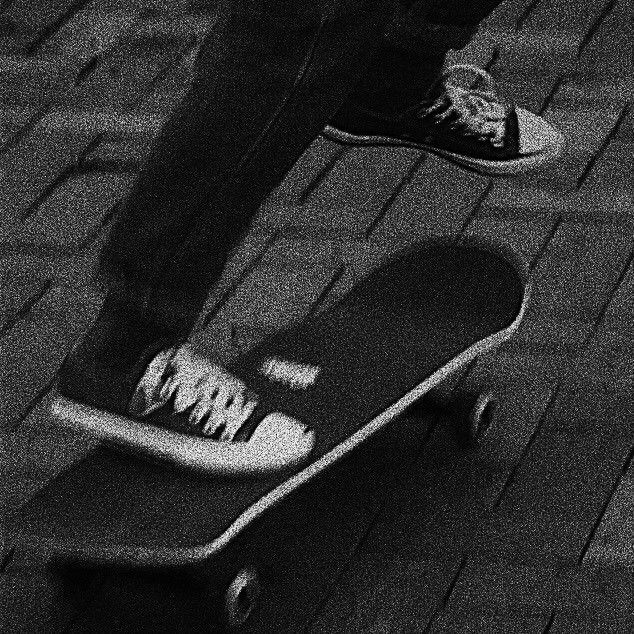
[192,411]
[471,127]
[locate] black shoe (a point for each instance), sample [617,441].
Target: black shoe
[470,127]
[123,366]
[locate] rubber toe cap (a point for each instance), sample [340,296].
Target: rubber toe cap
[283,439]
[537,136]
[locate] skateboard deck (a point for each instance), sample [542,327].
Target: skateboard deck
[349,371]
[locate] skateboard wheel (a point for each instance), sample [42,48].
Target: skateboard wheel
[241,597]
[474,412]
[480,416]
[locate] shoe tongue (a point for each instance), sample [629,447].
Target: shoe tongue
[447,96]
[452,95]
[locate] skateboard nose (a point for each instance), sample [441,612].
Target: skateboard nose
[283,439]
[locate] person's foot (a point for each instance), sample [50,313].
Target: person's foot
[473,128]
[168,402]
[211,402]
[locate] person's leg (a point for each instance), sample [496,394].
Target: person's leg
[268,79]
[413,49]
[407,98]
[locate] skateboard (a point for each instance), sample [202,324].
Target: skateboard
[175,535]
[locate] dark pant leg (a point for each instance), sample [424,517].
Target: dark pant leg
[413,49]
[424,25]
[267,80]
[456,11]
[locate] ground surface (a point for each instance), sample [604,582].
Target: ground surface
[536,533]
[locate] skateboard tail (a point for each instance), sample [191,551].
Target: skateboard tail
[278,443]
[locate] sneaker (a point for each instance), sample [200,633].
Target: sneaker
[171,403]
[202,399]
[470,127]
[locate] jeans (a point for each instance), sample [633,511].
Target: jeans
[267,80]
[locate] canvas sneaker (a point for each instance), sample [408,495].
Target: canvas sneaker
[472,127]
[192,411]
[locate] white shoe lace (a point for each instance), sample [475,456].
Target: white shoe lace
[478,113]
[218,403]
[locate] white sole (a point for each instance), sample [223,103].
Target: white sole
[512,167]
[268,452]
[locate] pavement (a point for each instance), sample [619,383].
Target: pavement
[536,534]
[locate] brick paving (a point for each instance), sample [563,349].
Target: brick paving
[535,532]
